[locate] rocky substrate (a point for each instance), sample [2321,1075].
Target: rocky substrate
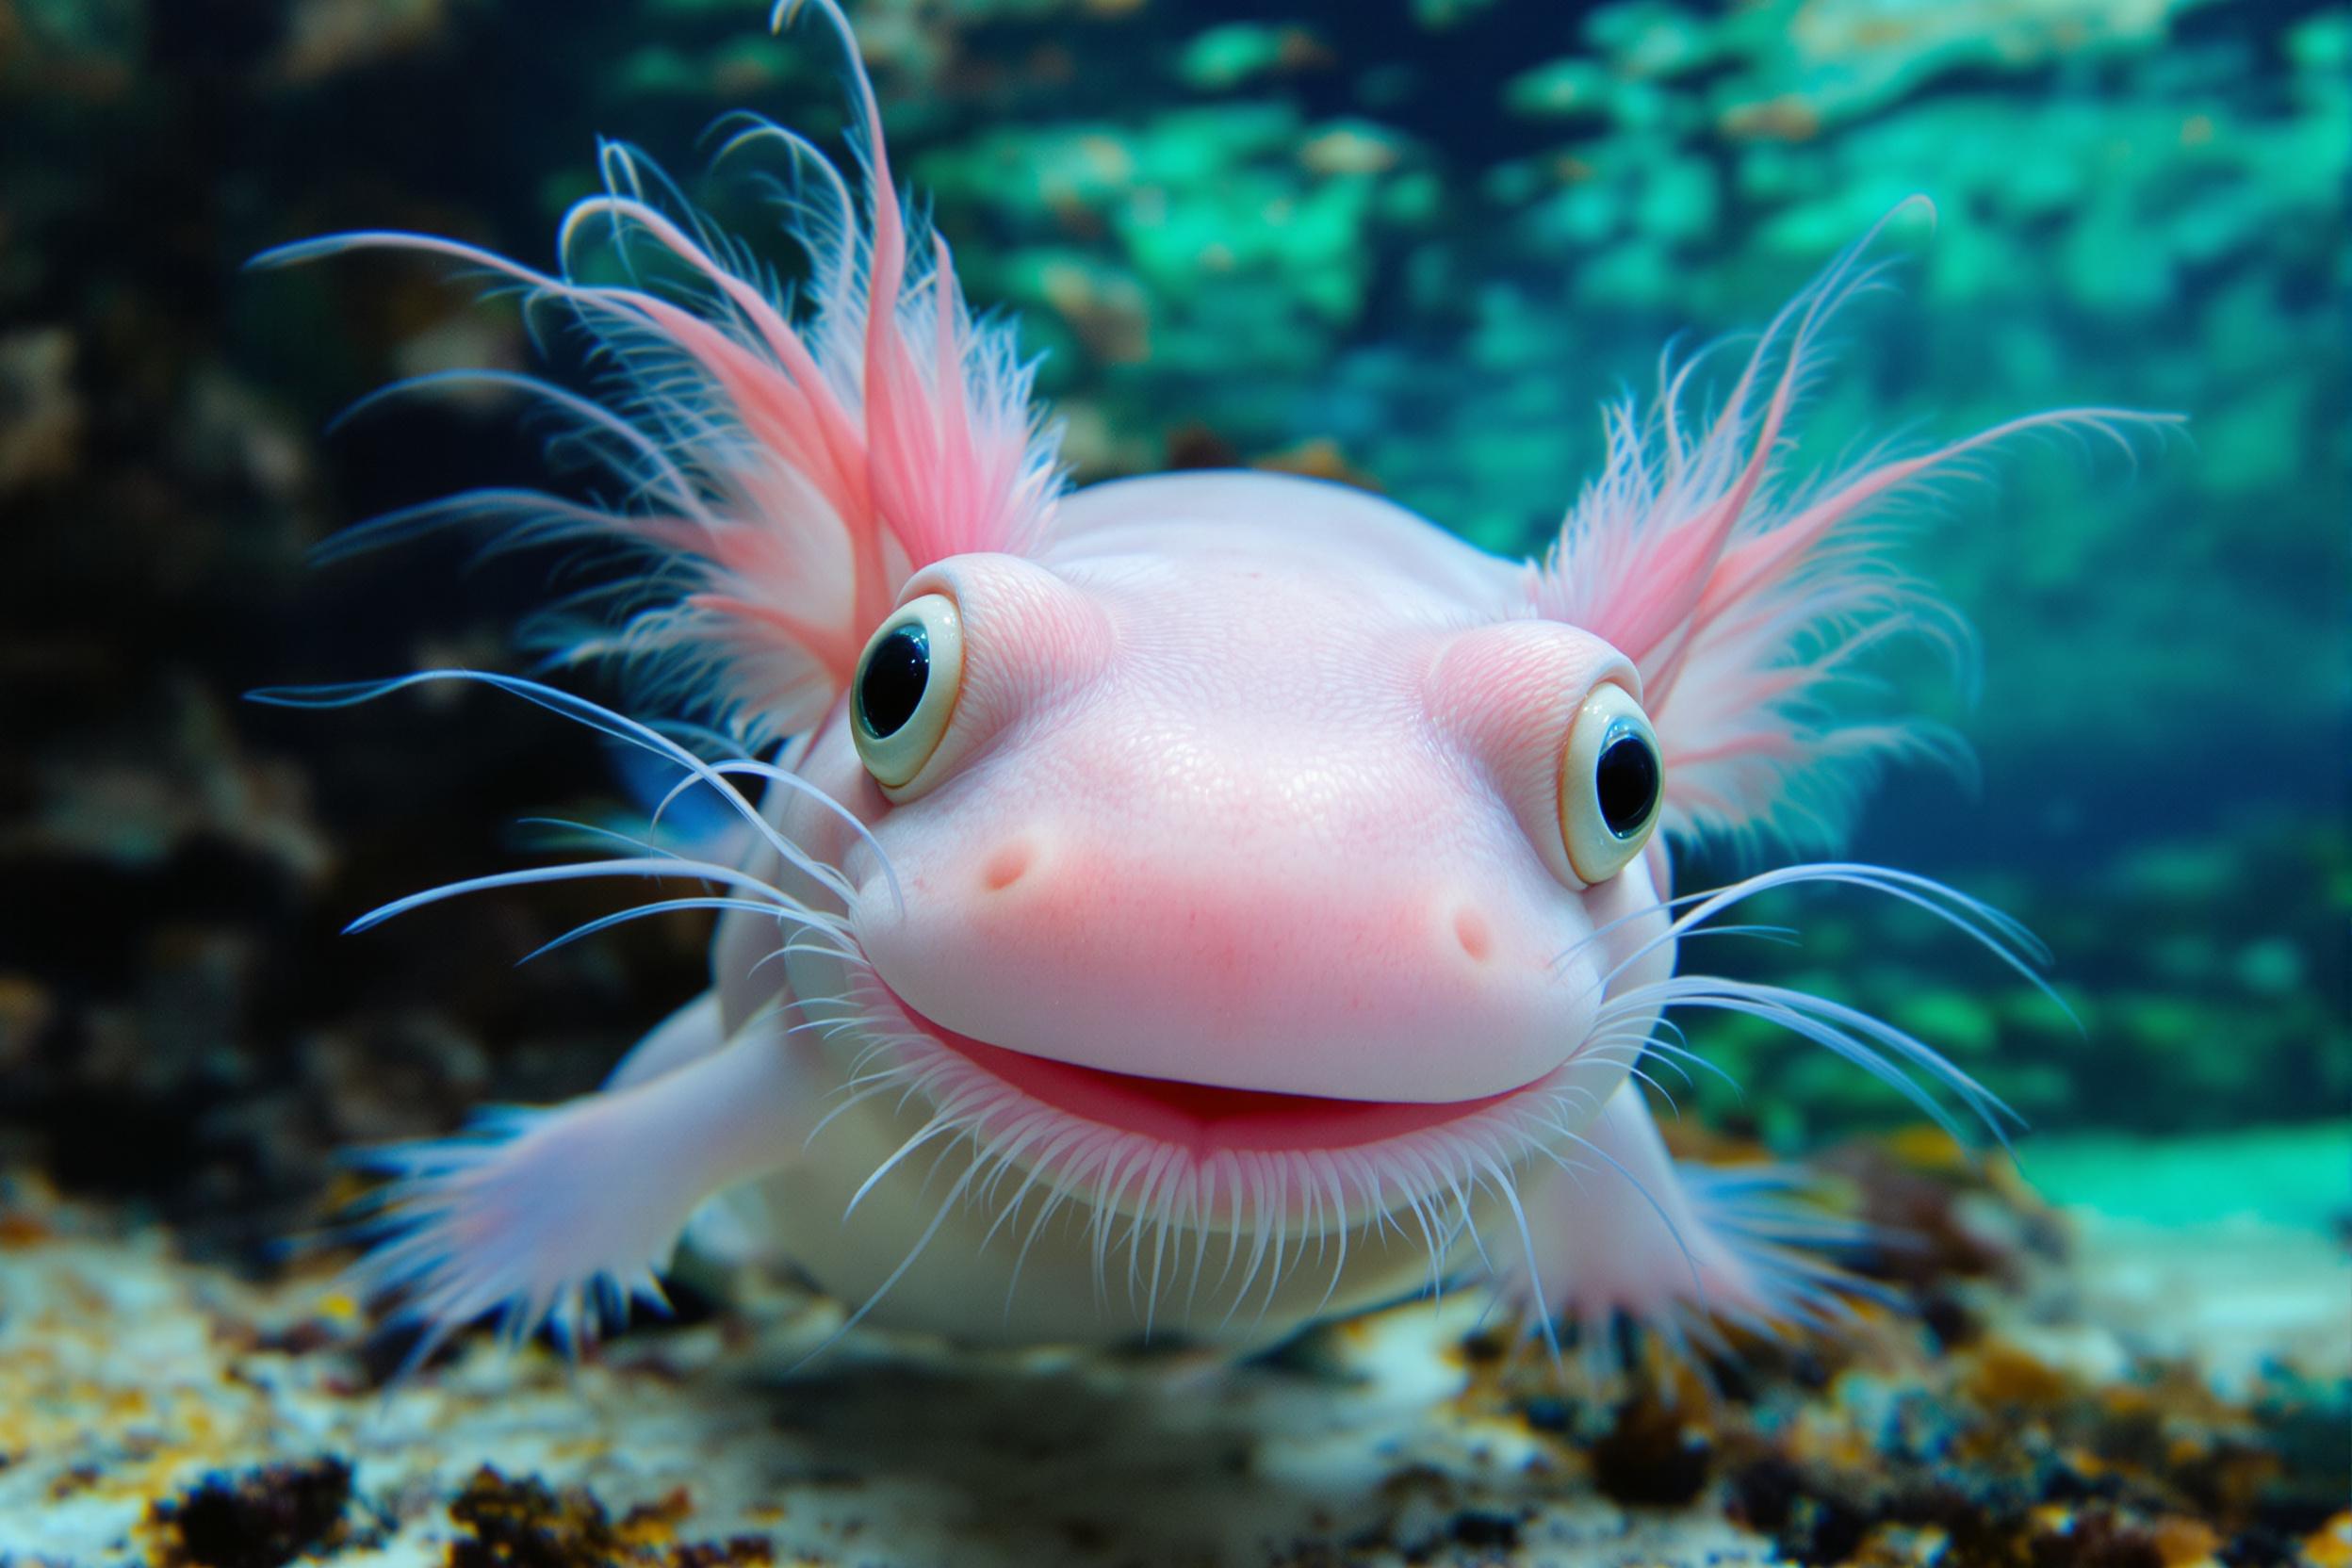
[2076,1388]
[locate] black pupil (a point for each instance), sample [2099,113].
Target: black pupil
[1627,781]
[891,687]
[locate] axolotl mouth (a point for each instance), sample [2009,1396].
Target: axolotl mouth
[1205,1155]
[1202,1118]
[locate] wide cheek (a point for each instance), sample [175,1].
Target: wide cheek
[1633,953]
[832,770]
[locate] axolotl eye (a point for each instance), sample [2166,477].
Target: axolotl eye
[906,688]
[1612,779]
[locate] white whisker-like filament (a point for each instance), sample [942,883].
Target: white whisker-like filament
[648,866]
[801,786]
[670,906]
[1846,1031]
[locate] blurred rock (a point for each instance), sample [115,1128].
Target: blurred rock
[41,412]
[325,37]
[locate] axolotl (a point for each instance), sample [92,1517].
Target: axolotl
[1209,903]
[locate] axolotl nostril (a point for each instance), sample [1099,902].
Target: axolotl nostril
[1209,902]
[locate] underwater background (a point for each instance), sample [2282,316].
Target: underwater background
[1411,244]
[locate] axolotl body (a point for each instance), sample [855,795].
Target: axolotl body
[1207,903]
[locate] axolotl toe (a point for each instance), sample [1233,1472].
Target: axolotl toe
[1199,904]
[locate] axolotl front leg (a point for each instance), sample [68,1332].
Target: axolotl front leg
[565,1215]
[1620,1231]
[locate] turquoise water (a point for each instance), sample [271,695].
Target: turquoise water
[2297,1176]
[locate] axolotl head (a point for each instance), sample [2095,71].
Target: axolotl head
[1250,814]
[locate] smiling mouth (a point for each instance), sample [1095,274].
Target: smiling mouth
[1201,1118]
[1175,1158]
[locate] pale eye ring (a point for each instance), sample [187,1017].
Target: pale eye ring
[905,690]
[1612,779]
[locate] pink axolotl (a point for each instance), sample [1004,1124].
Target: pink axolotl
[1215,902]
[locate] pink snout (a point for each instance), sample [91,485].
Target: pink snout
[1373,982]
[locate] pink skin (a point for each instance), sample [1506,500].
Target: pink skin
[1159,846]
[1232,915]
